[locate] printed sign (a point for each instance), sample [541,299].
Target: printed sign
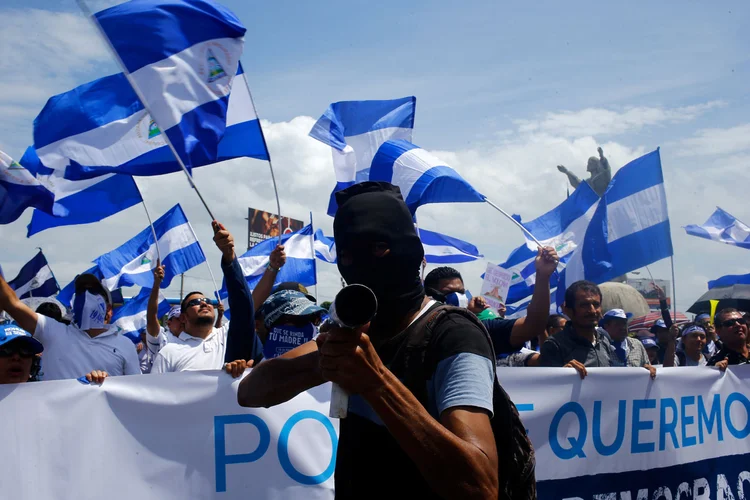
[495,285]
[645,287]
[264,225]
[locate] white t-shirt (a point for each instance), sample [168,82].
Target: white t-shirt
[69,352]
[193,353]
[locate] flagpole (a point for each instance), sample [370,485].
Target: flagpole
[150,223]
[416,226]
[213,278]
[312,249]
[87,12]
[50,269]
[520,226]
[674,290]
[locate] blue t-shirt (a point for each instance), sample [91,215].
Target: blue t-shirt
[283,338]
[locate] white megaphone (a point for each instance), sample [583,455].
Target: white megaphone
[353,307]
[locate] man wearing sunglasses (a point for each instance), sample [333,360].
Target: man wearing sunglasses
[732,329]
[202,346]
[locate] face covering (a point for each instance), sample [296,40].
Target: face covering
[89,311]
[371,213]
[458,299]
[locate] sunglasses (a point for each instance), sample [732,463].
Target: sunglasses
[732,322]
[8,351]
[198,302]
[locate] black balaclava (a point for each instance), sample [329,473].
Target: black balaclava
[373,212]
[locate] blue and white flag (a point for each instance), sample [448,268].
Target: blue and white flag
[561,228]
[82,202]
[19,190]
[355,130]
[132,263]
[325,247]
[35,279]
[65,297]
[299,267]
[724,228]
[101,128]
[182,55]
[630,228]
[422,177]
[442,249]
[519,310]
[130,318]
[729,280]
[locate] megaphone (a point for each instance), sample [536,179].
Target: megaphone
[353,307]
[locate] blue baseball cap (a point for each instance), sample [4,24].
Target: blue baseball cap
[287,303]
[13,333]
[649,342]
[658,324]
[614,314]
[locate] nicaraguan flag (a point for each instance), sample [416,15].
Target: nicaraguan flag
[101,128]
[182,55]
[132,263]
[442,249]
[724,228]
[130,318]
[561,228]
[325,247]
[355,130]
[84,201]
[35,279]
[19,190]
[629,229]
[422,177]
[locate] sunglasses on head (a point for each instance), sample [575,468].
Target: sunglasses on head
[733,321]
[198,302]
[7,351]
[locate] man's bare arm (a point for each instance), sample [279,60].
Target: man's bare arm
[263,289]
[20,312]
[537,313]
[152,309]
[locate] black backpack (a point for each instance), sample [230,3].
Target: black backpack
[515,453]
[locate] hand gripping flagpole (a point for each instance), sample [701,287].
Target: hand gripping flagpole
[270,164]
[514,221]
[87,12]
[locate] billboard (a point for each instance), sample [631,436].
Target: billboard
[645,287]
[264,225]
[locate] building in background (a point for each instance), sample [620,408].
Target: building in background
[645,288]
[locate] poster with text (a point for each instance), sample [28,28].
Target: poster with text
[495,285]
[263,225]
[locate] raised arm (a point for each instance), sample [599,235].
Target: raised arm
[537,313]
[152,310]
[574,180]
[20,312]
[242,343]
[263,289]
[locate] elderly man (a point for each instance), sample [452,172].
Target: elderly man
[732,330]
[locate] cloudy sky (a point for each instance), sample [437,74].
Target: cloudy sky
[504,94]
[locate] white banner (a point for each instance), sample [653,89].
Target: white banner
[615,435]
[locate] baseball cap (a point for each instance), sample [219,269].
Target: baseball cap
[297,287]
[658,324]
[88,281]
[617,313]
[649,343]
[287,303]
[11,333]
[174,313]
[487,314]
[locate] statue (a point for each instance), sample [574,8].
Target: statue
[600,172]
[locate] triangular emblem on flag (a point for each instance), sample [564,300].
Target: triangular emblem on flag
[153,129]
[145,260]
[14,165]
[215,71]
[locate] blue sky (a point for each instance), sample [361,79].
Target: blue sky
[504,93]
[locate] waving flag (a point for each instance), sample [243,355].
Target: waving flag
[630,228]
[35,279]
[182,55]
[130,318]
[724,228]
[19,190]
[101,128]
[83,202]
[325,247]
[442,249]
[561,228]
[422,177]
[132,263]
[356,129]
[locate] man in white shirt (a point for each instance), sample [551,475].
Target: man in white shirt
[202,346]
[88,345]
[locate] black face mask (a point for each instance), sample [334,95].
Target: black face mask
[371,213]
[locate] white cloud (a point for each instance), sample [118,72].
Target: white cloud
[716,141]
[597,121]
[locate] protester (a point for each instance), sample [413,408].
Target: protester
[201,345]
[51,310]
[88,345]
[652,349]
[660,330]
[627,350]
[430,435]
[693,342]
[529,356]
[289,318]
[732,330]
[18,355]
[713,344]
[555,323]
[445,284]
